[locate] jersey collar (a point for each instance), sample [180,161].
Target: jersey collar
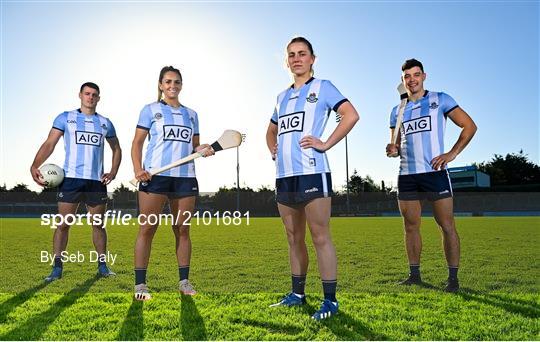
[425,94]
[79,111]
[307,82]
[166,104]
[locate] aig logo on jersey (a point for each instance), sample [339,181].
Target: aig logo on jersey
[88,138]
[422,124]
[293,122]
[177,133]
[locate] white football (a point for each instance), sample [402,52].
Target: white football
[52,174]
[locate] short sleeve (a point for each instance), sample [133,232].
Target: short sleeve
[145,118]
[393,117]
[111,132]
[60,122]
[332,97]
[195,123]
[274,118]
[447,103]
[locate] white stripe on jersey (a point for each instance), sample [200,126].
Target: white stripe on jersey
[88,127]
[70,147]
[435,147]
[157,130]
[287,140]
[309,119]
[418,144]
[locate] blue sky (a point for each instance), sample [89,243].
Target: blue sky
[484,54]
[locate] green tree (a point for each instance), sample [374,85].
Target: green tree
[359,184]
[512,169]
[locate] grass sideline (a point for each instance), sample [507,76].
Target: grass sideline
[240,270]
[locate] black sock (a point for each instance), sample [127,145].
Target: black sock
[298,283]
[99,263]
[183,271]
[58,262]
[415,270]
[452,272]
[140,276]
[329,289]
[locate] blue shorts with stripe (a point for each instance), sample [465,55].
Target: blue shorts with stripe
[429,185]
[78,190]
[172,187]
[302,189]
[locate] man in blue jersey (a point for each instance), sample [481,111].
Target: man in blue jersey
[422,173]
[84,132]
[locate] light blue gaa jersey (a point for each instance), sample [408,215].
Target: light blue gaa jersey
[299,113]
[84,139]
[171,131]
[422,133]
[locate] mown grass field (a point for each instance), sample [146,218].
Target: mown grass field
[240,270]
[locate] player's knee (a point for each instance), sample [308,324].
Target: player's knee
[147,231]
[447,226]
[320,239]
[411,226]
[295,239]
[181,232]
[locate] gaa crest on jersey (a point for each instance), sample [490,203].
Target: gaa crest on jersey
[421,124]
[433,105]
[293,122]
[312,98]
[88,138]
[177,133]
[158,116]
[104,126]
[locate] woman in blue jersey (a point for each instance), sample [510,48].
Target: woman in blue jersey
[174,133]
[303,182]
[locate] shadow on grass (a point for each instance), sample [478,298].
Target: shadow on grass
[133,327]
[17,300]
[191,322]
[36,325]
[520,307]
[345,327]
[270,326]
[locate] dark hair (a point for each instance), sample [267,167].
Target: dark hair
[89,85]
[411,63]
[162,73]
[308,44]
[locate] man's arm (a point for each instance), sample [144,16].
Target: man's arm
[43,153]
[468,129]
[116,159]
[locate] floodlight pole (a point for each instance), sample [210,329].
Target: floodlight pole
[238,178]
[338,119]
[347,173]
[238,174]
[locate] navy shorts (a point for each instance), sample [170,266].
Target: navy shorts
[78,190]
[430,185]
[173,187]
[301,189]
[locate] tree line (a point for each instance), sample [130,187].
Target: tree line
[514,169]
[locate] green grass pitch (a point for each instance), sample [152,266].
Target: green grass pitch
[240,270]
